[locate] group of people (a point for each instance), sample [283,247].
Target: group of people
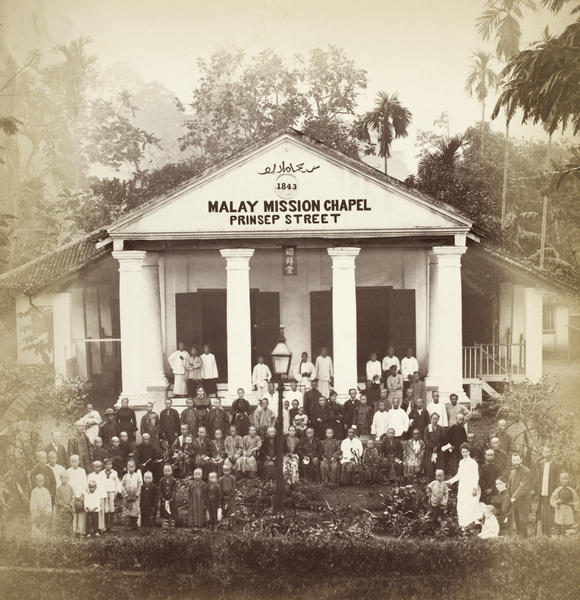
[386,436]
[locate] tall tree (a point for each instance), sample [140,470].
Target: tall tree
[72,76]
[500,20]
[480,80]
[389,120]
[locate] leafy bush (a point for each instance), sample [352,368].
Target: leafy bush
[406,514]
[534,420]
[63,401]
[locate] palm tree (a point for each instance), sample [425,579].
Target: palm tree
[443,157]
[481,79]
[501,20]
[390,120]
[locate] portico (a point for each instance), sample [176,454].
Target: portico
[192,270]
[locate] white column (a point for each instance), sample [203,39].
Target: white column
[533,333]
[239,326]
[131,302]
[445,321]
[344,319]
[153,346]
[433,366]
[61,318]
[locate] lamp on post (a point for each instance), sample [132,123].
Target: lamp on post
[281,359]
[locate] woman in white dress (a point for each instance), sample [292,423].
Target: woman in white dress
[468,509]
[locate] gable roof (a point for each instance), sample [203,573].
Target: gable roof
[222,180]
[56,265]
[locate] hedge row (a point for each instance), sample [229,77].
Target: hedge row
[190,555]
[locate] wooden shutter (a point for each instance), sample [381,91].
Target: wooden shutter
[320,322]
[265,309]
[402,333]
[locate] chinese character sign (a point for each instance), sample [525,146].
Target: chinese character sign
[289,264]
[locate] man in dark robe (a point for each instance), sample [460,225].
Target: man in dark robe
[419,418]
[475,451]
[79,444]
[391,455]
[348,410]
[150,424]
[109,429]
[218,418]
[520,490]
[202,404]
[488,473]
[310,453]
[268,453]
[169,423]
[456,435]
[311,398]
[147,457]
[189,417]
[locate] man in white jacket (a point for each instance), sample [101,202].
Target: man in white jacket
[261,375]
[304,373]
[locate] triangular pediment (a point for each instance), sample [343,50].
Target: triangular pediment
[293,186]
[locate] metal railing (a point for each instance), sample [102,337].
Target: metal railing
[497,361]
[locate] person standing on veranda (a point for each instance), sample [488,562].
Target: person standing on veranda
[304,373]
[193,372]
[261,375]
[373,381]
[324,372]
[409,365]
[209,372]
[177,362]
[388,361]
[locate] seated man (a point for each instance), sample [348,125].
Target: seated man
[330,464]
[203,451]
[414,455]
[268,453]
[310,452]
[234,447]
[391,456]
[352,451]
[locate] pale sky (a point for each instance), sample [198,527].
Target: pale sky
[418,48]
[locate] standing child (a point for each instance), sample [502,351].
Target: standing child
[99,453]
[99,477]
[214,502]
[131,489]
[370,462]
[78,482]
[228,485]
[93,508]
[197,499]
[148,501]
[112,488]
[565,500]
[438,492]
[40,508]
[363,416]
[65,505]
[490,527]
[167,496]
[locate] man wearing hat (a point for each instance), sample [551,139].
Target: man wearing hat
[109,429]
